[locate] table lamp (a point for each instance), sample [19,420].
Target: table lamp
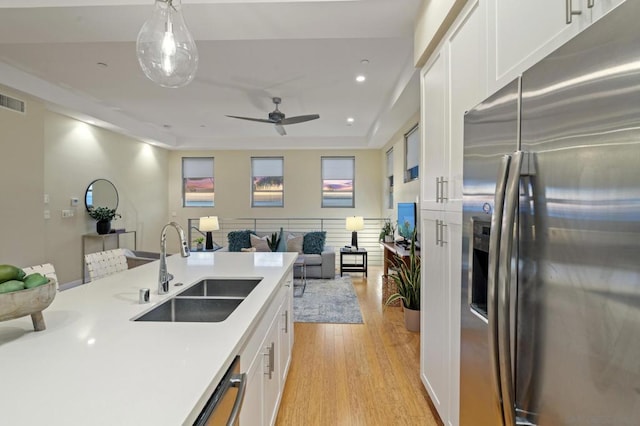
[354,224]
[206,225]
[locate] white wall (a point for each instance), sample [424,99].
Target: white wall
[302,185]
[76,153]
[22,225]
[403,192]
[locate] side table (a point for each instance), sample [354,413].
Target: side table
[299,288]
[355,266]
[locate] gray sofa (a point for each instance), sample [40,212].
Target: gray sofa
[317,265]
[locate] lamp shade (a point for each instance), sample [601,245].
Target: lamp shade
[209,223]
[355,223]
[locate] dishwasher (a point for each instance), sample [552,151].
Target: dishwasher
[223,408]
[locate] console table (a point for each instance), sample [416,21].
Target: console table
[390,251]
[102,238]
[355,266]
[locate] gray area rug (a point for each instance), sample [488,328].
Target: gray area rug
[328,301]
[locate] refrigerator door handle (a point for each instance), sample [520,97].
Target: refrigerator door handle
[492,274]
[512,193]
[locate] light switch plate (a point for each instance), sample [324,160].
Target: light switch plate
[47,214]
[46,198]
[74,201]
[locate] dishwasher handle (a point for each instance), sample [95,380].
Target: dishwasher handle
[237,381]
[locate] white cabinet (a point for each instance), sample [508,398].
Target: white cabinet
[523,32]
[440,306]
[452,82]
[265,358]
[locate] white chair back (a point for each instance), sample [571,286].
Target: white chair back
[104,263]
[45,269]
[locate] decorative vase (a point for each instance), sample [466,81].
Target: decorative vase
[412,319]
[103,227]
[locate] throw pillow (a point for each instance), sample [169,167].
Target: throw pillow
[260,244]
[313,242]
[294,243]
[239,240]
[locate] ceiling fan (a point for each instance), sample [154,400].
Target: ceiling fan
[277,118]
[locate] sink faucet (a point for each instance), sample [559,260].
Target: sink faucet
[164,277]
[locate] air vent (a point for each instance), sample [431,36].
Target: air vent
[11,103]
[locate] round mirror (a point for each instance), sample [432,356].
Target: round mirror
[101,193]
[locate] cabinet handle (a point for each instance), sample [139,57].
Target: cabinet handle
[286,321]
[571,12]
[442,226]
[443,181]
[437,190]
[590,3]
[270,354]
[437,232]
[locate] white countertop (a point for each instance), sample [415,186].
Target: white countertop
[94,366]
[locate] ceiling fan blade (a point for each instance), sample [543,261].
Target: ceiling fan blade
[259,120]
[299,119]
[280,130]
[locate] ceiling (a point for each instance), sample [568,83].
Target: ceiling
[79,57]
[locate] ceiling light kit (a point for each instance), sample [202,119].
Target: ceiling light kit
[361,78]
[350,121]
[165,48]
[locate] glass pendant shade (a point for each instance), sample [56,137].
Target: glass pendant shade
[166,50]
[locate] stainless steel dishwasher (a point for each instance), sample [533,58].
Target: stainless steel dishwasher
[223,408]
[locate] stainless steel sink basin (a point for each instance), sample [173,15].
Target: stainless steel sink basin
[222,287]
[192,309]
[208,300]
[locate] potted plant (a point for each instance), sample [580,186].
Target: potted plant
[387,232]
[407,280]
[199,242]
[274,241]
[104,216]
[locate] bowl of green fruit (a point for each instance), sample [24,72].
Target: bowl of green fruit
[22,295]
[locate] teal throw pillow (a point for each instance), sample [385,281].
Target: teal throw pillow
[313,242]
[239,240]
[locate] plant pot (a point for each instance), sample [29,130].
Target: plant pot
[103,227]
[388,238]
[199,246]
[412,319]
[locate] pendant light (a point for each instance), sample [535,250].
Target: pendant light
[166,51]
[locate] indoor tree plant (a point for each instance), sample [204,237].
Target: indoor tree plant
[407,280]
[103,216]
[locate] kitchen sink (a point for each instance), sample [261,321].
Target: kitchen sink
[222,287]
[192,309]
[208,300]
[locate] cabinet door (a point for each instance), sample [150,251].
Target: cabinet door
[601,7]
[433,129]
[271,390]
[467,46]
[523,32]
[434,342]
[251,414]
[285,334]
[453,251]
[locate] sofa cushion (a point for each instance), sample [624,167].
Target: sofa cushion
[294,243]
[313,242]
[259,243]
[239,240]
[312,259]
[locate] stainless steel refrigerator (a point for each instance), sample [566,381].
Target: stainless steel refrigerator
[550,327]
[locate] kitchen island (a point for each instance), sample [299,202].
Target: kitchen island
[93,365]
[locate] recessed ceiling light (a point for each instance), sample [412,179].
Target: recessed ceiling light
[364,61]
[166,126]
[361,78]
[102,64]
[350,121]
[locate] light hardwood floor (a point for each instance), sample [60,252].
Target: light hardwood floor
[357,374]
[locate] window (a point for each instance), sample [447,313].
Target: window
[197,182]
[338,181]
[390,179]
[267,182]
[412,154]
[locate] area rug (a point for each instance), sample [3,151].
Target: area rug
[328,301]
